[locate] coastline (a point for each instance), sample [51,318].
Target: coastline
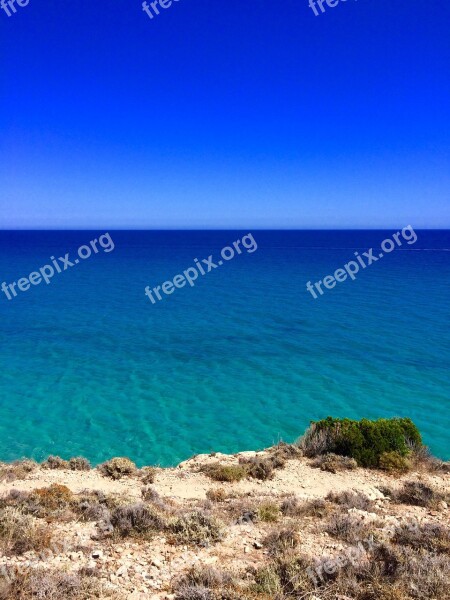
[141,566]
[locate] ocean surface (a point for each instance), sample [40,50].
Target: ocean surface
[247,357]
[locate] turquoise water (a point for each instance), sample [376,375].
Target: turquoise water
[89,366]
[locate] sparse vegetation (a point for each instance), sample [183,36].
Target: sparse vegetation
[395,562]
[35,584]
[19,469]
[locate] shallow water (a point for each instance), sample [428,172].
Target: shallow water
[89,366]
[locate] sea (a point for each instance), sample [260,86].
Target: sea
[245,357]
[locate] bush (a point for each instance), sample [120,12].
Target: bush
[79,463]
[348,528]
[194,592]
[350,500]
[281,541]
[364,440]
[333,463]
[136,520]
[431,536]
[394,462]
[95,505]
[221,472]
[197,528]
[217,495]
[286,451]
[260,468]
[53,498]
[207,577]
[21,533]
[32,584]
[268,512]
[55,462]
[148,475]
[417,493]
[116,468]
[292,507]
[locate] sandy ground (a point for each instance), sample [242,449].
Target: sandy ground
[146,569]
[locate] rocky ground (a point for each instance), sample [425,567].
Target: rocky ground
[149,563]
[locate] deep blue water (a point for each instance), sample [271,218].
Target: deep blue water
[89,366]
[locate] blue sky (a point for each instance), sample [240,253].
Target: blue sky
[225,113]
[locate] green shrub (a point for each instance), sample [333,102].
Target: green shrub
[364,440]
[269,512]
[394,462]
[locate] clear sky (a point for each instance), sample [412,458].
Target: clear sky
[225,113]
